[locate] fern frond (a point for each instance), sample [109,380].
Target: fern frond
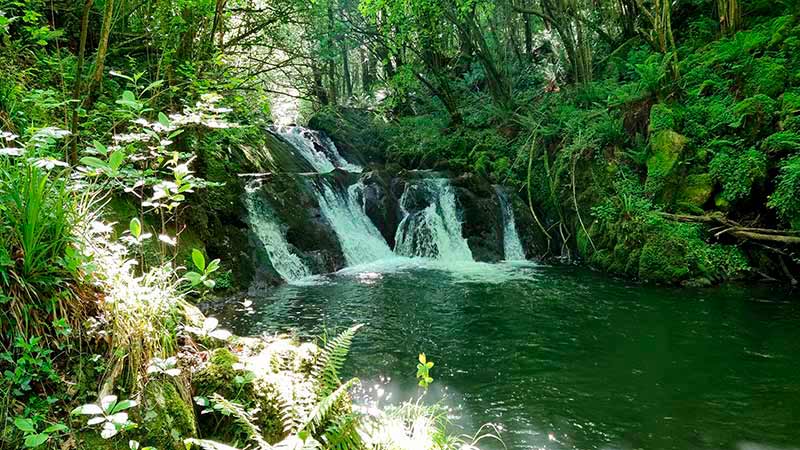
[242,418]
[331,360]
[343,433]
[290,412]
[322,412]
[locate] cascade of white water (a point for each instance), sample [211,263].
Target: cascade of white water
[316,148]
[435,231]
[512,245]
[266,227]
[360,240]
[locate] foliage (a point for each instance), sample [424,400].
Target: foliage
[109,413]
[738,171]
[786,198]
[424,371]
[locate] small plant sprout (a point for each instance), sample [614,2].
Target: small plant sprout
[203,274]
[168,366]
[109,413]
[136,235]
[210,329]
[34,438]
[424,371]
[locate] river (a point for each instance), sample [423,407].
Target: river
[559,357]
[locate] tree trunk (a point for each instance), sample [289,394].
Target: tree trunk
[730,16]
[76,89]
[348,82]
[528,36]
[102,48]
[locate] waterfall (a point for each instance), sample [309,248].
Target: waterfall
[318,149]
[434,231]
[512,246]
[360,240]
[266,227]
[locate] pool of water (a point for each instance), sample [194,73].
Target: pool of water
[561,357]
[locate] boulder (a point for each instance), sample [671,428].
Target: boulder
[696,190]
[666,148]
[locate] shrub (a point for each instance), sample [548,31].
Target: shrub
[786,198]
[738,171]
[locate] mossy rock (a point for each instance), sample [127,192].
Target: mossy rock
[661,118]
[217,377]
[666,148]
[168,417]
[663,260]
[696,190]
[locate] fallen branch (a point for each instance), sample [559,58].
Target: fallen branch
[789,237]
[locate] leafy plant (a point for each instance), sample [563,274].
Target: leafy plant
[35,438]
[204,272]
[209,329]
[424,371]
[168,366]
[109,413]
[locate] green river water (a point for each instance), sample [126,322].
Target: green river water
[561,357]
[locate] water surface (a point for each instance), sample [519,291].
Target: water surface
[560,357]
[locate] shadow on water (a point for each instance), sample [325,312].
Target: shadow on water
[561,357]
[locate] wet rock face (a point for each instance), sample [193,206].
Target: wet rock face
[482,223]
[381,205]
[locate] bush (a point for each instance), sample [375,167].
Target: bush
[738,171]
[786,198]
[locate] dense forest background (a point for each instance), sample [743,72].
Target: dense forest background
[652,139]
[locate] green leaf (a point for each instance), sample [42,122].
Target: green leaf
[116,159]
[193,277]
[213,266]
[198,259]
[25,425]
[123,405]
[36,440]
[164,120]
[100,148]
[136,227]
[93,162]
[128,96]
[55,428]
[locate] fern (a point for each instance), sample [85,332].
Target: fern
[343,433]
[243,418]
[322,412]
[330,361]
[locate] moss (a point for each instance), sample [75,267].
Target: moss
[666,148]
[755,114]
[661,118]
[696,190]
[168,417]
[217,376]
[663,260]
[91,440]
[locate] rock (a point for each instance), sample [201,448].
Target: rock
[666,148]
[663,260]
[661,118]
[380,204]
[168,417]
[482,223]
[696,190]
